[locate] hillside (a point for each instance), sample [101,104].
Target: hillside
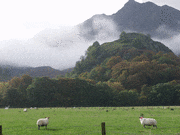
[11,71]
[133,60]
[125,46]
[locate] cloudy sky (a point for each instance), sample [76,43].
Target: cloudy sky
[21,20]
[24,18]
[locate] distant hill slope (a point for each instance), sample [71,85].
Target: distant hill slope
[33,72]
[148,18]
[128,46]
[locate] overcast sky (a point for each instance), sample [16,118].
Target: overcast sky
[23,19]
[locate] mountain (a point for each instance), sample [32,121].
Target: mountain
[132,62]
[61,48]
[148,18]
[128,46]
[33,72]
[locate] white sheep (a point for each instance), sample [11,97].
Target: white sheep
[7,107]
[43,122]
[148,122]
[25,110]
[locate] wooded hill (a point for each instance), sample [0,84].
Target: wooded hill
[133,70]
[133,60]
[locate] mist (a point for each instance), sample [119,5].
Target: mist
[59,48]
[99,27]
[172,43]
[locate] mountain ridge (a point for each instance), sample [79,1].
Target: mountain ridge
[147,18]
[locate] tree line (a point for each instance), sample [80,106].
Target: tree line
[69,92]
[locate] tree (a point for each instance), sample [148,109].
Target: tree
[98,74]
[113,61]
[14,82]
[12,97]
[164,94]
[123,36]
[127,98]
[94,50]
[25,81]
[41,92]
[137,43]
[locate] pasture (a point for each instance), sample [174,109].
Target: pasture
[87,120]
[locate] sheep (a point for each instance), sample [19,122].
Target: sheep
[25,110]
[148,122]
[7,107]
[43,122]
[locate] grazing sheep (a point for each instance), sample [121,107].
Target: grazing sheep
[7,107]
[148,122]
[25,110]
[43,122]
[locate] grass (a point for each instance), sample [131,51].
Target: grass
[80,121]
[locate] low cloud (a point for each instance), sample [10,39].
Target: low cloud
[56,48]
[170,39]
[59,48]
[172,43]
[62,48]
[99,28]
[164,31]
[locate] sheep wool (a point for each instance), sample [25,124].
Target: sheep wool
[25,110]
[43,122]
[148,122]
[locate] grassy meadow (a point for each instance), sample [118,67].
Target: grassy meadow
[87,120]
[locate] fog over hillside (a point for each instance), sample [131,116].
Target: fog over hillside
[58,48]
[62,47]
[172,43]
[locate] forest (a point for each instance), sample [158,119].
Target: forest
[131,71]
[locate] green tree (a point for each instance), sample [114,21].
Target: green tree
[41,92]
[12,97]
[137,43]
[164,94]
[124,37]
[25,81]
[127,98]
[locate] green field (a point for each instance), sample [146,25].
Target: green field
[87,120]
